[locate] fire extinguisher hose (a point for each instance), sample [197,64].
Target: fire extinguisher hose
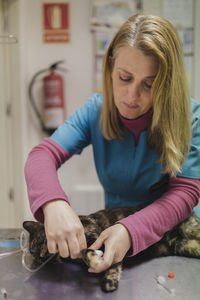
[31,96]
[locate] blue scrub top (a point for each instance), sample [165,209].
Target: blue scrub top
[125,171]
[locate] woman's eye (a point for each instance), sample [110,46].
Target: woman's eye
[126,79]
[147,85]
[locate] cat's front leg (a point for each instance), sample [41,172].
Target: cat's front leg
[111,278]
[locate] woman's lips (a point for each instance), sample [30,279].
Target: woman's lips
[131,106]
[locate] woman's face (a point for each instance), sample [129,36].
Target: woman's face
[132,77]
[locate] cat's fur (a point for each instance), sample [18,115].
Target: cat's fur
[182,240]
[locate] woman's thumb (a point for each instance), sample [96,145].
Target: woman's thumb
[97,244]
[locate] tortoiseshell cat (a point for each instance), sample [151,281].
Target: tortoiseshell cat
[182,240]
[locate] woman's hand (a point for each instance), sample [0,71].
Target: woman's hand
[117,242]
[64,231]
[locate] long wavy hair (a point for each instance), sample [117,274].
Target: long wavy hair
[170,130]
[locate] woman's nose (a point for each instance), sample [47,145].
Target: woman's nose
[134,91]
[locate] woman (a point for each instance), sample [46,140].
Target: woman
[145,137]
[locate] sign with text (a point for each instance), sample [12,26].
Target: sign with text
[56,23]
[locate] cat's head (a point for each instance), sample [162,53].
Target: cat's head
[37,240]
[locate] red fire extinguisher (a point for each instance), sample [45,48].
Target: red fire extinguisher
[53,98]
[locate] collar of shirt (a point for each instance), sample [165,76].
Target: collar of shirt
[136,126]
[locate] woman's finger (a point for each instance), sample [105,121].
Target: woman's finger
[82,241]
[63,248]
[98,243]
[74,248]
[52,246]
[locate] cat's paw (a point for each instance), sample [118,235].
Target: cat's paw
[91,258]
[109,285]
[111,278]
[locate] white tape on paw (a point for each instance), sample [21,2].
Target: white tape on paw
[99,253]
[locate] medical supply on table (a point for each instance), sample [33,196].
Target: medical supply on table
[162,282]
[9,243]
[28,260]
[4,292]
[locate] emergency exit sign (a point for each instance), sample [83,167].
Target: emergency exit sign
[56,27]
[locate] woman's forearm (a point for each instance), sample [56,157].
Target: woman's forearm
[148,226]
[41,175]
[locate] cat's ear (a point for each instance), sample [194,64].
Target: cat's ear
[31,226]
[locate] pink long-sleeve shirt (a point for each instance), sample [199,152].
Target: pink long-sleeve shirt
[146,227]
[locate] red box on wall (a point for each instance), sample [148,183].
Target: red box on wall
[56,27]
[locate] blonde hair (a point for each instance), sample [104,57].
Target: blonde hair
[170,130]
